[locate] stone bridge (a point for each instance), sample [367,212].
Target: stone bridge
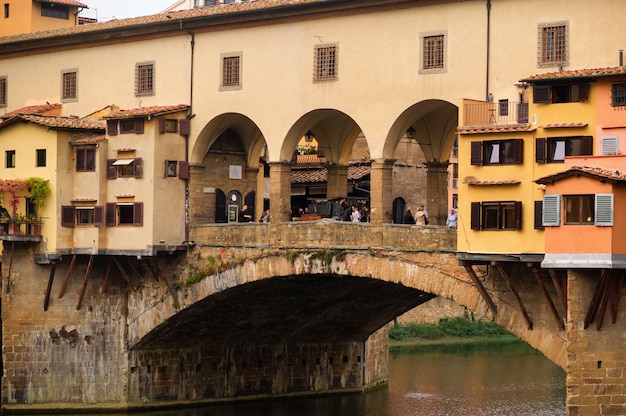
[250,310]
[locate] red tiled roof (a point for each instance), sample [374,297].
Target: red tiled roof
[88,140]
[500,182]
[577,73]
[73,3]
[563,125]
[613,176]
[32,109]
[494,129]
[316,175]
[156,110]
[55,122]
[175,16]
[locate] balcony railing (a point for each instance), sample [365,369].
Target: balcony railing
[490,114]
[20,230]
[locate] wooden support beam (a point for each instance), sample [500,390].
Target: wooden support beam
[617,296]
[509,284]
[8,286]
[481,288]
[123,272]
[106,276]
[548,298]
[46,300]
[561,292]
[167,281]
[595,300]
[85,280]
[67,276]
[133,267]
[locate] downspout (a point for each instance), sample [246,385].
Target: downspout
[190,115]
[488,47]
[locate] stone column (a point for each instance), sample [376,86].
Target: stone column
[381,191]
[280,191]
[260,192]
[201,204]
[437,192]
[337,183]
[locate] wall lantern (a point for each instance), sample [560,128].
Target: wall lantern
[308,137]
[410,133]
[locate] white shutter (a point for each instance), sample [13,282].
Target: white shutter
[604,210]
[551,209]
[610,145]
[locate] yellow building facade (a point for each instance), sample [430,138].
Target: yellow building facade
[24,16]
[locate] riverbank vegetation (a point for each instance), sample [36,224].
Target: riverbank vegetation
[460,327]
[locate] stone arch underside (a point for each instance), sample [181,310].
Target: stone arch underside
[275,300]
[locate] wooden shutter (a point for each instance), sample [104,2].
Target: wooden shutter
[111,170]
[583,92]
[139,126]
[541,94]
[183,169]
[111,214]
[138,167]
[98,216]
[475,216]
[518,215]
[67,216]
[161,125]
[587,148]
[538,224]
[184,127]
[112,127]
[551,210]
[604,210]
[138,214]
[540,150]
[518,151]
[476,153]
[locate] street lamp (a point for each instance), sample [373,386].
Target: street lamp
[308,137]
[410,133]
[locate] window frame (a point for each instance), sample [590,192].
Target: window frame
[231,71]
[481,154]
[145,78]
[40,158]
[433,60]
[618,94]
[126,126]
[82,155]
[55,10]
[326,62]
[508,216]
[553,44]
[70,216]
[546,148]
[125,167]
[113,214]
[4,81]
[69,85]
[10,159]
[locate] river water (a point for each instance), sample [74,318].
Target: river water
[502,379]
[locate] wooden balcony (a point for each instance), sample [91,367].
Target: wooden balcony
[490,114]
[20,230]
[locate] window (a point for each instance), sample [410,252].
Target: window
[130,213]
[497,152]
[553,47]
[10,158]
[3,91]
[6,10]
[69,88]
[618,94]
[128,126]
[455,175]
[56,10]
[433,52]
[565,93]
[85,159]
[496,215]
[554,150]
[144,79]
[174,168]
[586,209]
[325,63]
[124,168]
[41,158]
[503,107]
[231,72]
[171,168]
[579,209]
[200,3]
[82,216]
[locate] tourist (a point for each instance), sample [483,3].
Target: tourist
[420,217]
[244,215]
[452,218]
[408,217]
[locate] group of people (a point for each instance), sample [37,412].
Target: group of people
[246,216]
[421,217]
[353,213]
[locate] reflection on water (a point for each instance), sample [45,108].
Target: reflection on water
[509,379]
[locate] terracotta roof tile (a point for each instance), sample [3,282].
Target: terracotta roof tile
[577,73]
[73,3]
[33,109]
[146,111]
[475,182]
[87,140]
[316,175]
[156,18]
[563,125]
[55,122]
[606,175]
[494,129]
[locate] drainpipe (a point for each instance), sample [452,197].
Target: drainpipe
[190,115]
[488,47]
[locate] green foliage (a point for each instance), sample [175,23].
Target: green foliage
[39,190]
[449,327]
[306,150]
[291,256]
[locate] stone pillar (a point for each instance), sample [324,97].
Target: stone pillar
[280,191]
[260,192]
[381,191]
[437,192]
[337,183]
[596,361]
[201,204]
